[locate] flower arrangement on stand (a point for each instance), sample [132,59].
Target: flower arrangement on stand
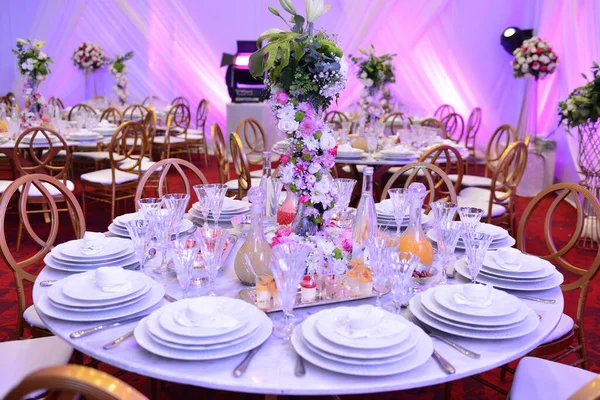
[534,58]
[583,104]
[306,71]
[118,70]
[375,73]
[34,66]
[89,57]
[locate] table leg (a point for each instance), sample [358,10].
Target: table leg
[270,397]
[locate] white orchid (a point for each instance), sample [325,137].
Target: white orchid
[314,9]
[288,6]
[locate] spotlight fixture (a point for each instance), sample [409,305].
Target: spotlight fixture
[242,86]
[513,37]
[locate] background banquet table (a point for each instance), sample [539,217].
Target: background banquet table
[272,369]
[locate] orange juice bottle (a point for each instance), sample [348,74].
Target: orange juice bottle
[413,239]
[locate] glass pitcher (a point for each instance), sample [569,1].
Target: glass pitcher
[413,239]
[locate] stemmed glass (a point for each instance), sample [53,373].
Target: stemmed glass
[203,202]
[183,252]
[447,233]
[372,137]
[379,249]
[402,265]
[344,187]
[476,245]
[399,198]
[162,220]
[149,203]
[140,233]
[288,269]
[212,244]
[470,217]
[216,194]
[178,203]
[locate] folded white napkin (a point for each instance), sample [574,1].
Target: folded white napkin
[92,243]
[347,148]
[368,322]
[112,280]
[104,124]
[398,149]
[509,259]
[204,315]
[474,295]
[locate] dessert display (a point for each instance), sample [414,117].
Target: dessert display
[308,289]
[365,282]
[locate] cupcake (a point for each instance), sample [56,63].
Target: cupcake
[263,297]
[308,289]
[365,282]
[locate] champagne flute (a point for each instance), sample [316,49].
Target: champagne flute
[212,245]
[203,202]
[476,246]
[183,252]
[402,265]
[379,248]
[399,198]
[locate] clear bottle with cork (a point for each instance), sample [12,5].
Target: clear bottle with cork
[413,239]
[365,222]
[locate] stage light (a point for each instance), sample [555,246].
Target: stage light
[242,60]
[513,37]
[241,85]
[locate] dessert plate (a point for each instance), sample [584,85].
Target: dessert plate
[58,256]
[529,265]
[502,302]
[58,298]
[467,326]
[84,287]
[112,246]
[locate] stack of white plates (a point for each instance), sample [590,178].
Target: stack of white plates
[385,215]
[39,139]
[105,129]
[116,252]
[323,340]
[118,226]
[398,153]
[281,146]
[532,273]
[501,238]
[84,135]
[79,298]
[350,153]
[203,328]
[230,209]
[503,316]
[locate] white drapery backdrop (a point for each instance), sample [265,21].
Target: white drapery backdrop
[448,51]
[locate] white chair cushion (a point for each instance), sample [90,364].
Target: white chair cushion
[537,378]
[256,174]
[22,357]
[360,168]
[61,153]
[93,155]
[194,136]
[472,180]
[34,192]
[198,132]
[104,177]
[257,158]
[497,209]
[131,141]
[565,325]
[477,193]
[146,164]
[32,317]
[172,139]
[4,185]
[233,184]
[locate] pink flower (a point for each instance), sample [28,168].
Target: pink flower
[282,97]
[308,126]
[307,108]
[304,198]
[284,159]
[284,231]
[333,151]
[275,241]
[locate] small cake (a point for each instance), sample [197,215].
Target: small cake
[365,282]
[333,287]
[272,286]
[263,297]
[352,276]
[308,289]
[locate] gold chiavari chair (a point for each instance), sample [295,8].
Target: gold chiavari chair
[432,176]
[74,382]
[435,123]
[252,135]
[11,96]
[119,182]
[76,109]
[135,112]
[395,121]
[162,168]
[6,101]
[454,127]
[443,110]
[498,202]
[473,125]
[447,158]
[180,100]
[244,182]
[197,137]
[149,99]
[112,115]
[336,117]
[220,152]
[56,102]
[174,140]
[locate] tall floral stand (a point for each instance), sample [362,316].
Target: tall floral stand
[589,168]
[90,85]
[538,161]
[528,117]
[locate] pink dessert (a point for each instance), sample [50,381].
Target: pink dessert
[308,289]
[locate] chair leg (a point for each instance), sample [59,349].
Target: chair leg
[205,152]
[46,214]
[83,199]
[154,389]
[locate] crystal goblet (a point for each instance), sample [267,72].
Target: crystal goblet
[344,189]
[443,211]
[476,246]
[178,203]
[140,233]
[379,249]
[470,217]
[212,245]
[216,194]
[399,198]
[203,202]
[447,234]
[162,220]
[183,252]
[402,265]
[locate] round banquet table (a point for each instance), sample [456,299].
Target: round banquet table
[272,369]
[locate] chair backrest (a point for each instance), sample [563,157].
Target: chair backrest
[149,99]
[240,162]
[449,159]
[395,121]
[335,117]
[253,138]
[112,115]
[163,167]
[443,110]
[201,115]
[499,142]
[74,382]
[431,175]
[473,125]
[149,124]
[180,118]
[32,160]
[76,109]
[135,112]
[435,123]
[19,261]
[11,96]
[126,155]
[454,127]
[561,239]
[180,100]
[220,152]
[56,102]
[508,174]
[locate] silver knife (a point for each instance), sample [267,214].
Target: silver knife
[240,369]
[85,332]
[117,341]
[539,300]
[449,342]
[448,368]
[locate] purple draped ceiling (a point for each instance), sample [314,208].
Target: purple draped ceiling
[447,51]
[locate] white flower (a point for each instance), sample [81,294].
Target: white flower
[287,113]
[544,59]
[327,141]
[529,60]
[520,60]
[323,186]
[551,66]
[369,82]
[524,68]
[534,57]
[363,75]
[535,67]
[527,76]
[288,125]
[314,9]
[541,45]
[42,56]
[311,143]
[288,6]
[314,168]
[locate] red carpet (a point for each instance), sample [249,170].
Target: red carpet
[98,219]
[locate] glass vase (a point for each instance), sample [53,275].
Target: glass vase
[303,225]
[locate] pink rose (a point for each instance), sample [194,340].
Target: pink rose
[284,159]
[304,198]
[284,231]
[333,151]
[275,241]
[282,97]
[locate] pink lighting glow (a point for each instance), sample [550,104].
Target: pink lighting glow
[242,59]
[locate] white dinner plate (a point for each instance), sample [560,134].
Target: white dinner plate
[531,322]
[506,275]
[508,241]
[60,257]
[111,247]
[124,257]
[121,220]
[131,262]
[467,326]
[502,302]
[145,340]
[430,304]
[329,323]
[529,264]
[60,300]
[84,287]
[120,232]
[554,280]
[149,300]
[422,351]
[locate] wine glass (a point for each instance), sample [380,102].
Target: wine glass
[470,217]
[379,249]
[402,265]
[476,245]
[447,234]
[162,220]
[443,211]
[399,198]
[288,269]
[150,203]
[178,203]
[344,187]
[140,234]
[203,202]
[212,245]
[216,194]
[183,252]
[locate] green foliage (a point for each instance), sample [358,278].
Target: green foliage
[119,62]
[379,70]
[583,104]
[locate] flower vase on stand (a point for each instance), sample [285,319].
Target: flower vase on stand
[35,105]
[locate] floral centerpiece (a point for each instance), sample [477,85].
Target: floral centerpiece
[375,73]
[534,58]
[89,57]
[305,71]
[118,70]
[34,66]
[583,104]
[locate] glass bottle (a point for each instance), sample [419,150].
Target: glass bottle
[413,239]
[3,119]
[287,212]
[253,258]
[365,222]
[266,184]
